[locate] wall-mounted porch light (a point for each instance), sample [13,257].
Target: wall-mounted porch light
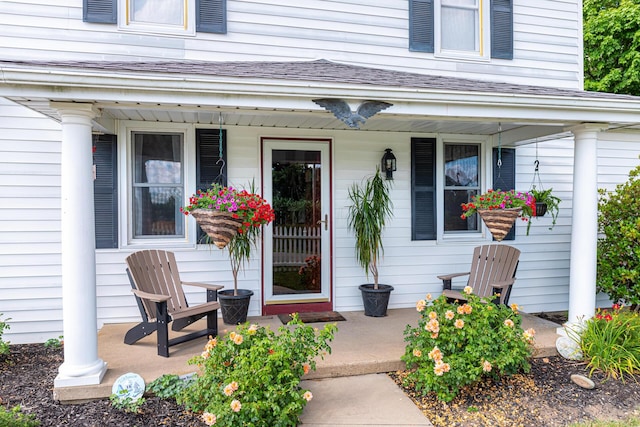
[389,163]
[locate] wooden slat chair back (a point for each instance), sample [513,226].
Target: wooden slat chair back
[155,282]
[493,271]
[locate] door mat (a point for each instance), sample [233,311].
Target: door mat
[314,317]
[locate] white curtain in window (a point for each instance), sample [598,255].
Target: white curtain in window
[459,25]
[169,12]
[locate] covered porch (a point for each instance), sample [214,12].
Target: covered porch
[89,97]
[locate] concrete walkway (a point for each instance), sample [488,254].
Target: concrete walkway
[347,390]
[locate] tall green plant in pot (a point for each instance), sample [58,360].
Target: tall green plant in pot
[369,211]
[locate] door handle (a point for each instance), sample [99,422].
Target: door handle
[326,221]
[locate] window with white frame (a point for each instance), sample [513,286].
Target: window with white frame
[461,27]
[174,17]
[157,185]
[163,16]
[461,183]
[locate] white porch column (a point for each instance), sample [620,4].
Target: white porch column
[81,363]
[584,224]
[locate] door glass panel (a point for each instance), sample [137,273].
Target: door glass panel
[296,176]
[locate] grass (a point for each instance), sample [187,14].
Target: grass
[632,421]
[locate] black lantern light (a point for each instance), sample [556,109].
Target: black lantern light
[389,163]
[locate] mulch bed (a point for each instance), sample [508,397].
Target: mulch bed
[26,379]
[544,397]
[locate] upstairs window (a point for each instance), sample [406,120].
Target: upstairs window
[166,16]
[462,28]
[179,17]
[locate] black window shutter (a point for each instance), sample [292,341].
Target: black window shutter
[504,177]
[105,191]
[502,29]
[423,189]
[211,16]
[102,11]
[421,25]
[208,167]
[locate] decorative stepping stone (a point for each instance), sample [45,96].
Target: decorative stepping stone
[583,381]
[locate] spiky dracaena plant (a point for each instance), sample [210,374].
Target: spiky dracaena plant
[369,211]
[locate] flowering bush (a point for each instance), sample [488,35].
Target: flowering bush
[455,344]
[498,199]
[309,272]
[252,375]
[252,209]
[610,342]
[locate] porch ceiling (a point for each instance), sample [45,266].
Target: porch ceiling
[280,95]
[513,133]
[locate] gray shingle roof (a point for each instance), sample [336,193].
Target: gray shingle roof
[318,71]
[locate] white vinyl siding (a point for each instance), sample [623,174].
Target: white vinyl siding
[370,33]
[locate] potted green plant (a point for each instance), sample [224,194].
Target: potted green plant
[546,202]
[233,219]
[369,211]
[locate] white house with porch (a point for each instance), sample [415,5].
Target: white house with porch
[113,112]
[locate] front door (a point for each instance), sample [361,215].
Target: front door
[297,247]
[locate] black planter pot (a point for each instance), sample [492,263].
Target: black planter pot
[541,209]
[375,300]
[234,307]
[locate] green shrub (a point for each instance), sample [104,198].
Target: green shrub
[168,386]
[610,342]
[126,403]
[15,418]
[457,344]
[54,343]
[618,273]
[4,345]
[251,376]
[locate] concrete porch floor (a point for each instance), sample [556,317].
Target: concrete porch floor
[362,345]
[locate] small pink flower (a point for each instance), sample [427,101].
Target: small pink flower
[449,315]
[429,297]
[459,323]
[307,396]
[209,418]
[236,405]
[486,366]
[417,352]
[238,339]
[433,315]
[435,354]
[467,290]
[509,323]
[421,305]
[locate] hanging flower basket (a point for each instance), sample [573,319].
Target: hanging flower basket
[221,226]
[499,221]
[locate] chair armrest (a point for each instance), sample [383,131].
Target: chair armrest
[503,284]
[150,297]
[451,276]
[446,279]
[204,285]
